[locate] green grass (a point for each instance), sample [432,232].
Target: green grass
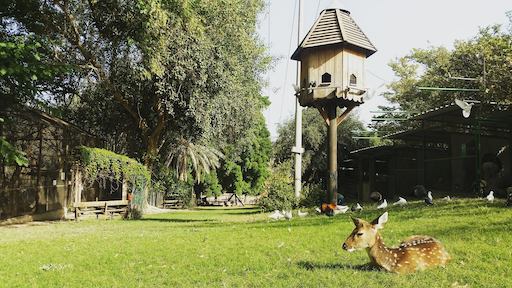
[241,248]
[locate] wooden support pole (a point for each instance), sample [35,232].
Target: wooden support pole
[323,114]
[344,115]
[332,157]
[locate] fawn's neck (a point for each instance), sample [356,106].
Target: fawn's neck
[380,254]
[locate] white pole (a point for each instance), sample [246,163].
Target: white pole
[298,150]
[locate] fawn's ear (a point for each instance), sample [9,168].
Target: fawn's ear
[379,222]
[356,221]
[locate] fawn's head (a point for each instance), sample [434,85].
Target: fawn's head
[365,234]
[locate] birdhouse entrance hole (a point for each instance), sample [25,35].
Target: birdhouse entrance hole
[353,80]
[326,78]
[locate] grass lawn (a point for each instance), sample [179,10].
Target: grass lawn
[241,248]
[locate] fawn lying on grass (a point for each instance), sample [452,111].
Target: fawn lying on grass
[415,253]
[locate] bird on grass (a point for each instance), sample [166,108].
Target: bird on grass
[401,201]
[276,215]
[288,215]
[447,198]
[302,214]
[383,205]
[357,208]
[490,197]
[340,209]
[429,200]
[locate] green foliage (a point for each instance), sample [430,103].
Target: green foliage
[233,178]
[152,72]
[183,191]
[186,155]
[9,154]
[279,193]
[247,161]
[100,163]
[211,186]
[24,70]
[315,143]
[313,195]
[166,183]
[433,67]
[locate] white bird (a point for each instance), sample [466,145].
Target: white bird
[383,205]
[401,201]
[302,214]
[288,214]
[318,210]
[296,88]
[357,208]
[502,150]
[429,200]
[490,197]
[341,209]
[276,215]
[447,198]
[465,106]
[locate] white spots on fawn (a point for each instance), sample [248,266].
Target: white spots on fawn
[415,253]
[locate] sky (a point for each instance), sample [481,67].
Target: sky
[395,27]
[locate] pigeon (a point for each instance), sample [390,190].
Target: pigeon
[318,210]
[465,106]
[357,208]
[447,198]
[296,88]
[276,215]
[302,214]
[490,197]
[376,196]
[509,199]
[401,201]
[383,205]
[288,215]
[341,209]
[429,200]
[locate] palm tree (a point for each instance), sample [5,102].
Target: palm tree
[202,159]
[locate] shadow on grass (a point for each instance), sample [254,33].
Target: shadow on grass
[309,265]
[175,220]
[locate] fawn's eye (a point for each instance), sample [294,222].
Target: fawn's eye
[359,234]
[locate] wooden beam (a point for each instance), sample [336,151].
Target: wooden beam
[344,115]
[324,114]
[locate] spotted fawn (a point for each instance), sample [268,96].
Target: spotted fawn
[414,254]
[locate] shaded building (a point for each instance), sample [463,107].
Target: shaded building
[49,143]
[445,152]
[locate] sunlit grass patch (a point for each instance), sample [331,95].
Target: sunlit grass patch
[236,247]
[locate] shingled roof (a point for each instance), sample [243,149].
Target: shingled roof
[335,27]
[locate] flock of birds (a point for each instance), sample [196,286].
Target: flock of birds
[429,200]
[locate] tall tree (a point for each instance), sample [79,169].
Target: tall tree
[152,72]
[247,163]
[436,67]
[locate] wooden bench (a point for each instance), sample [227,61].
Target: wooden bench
[107,208]
[173,203]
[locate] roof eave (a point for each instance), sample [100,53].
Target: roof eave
[297,55]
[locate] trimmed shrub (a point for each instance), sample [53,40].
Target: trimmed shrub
[279,194]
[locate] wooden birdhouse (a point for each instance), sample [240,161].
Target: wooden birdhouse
[332,57]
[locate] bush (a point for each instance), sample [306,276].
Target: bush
[313,195]
[279,194]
